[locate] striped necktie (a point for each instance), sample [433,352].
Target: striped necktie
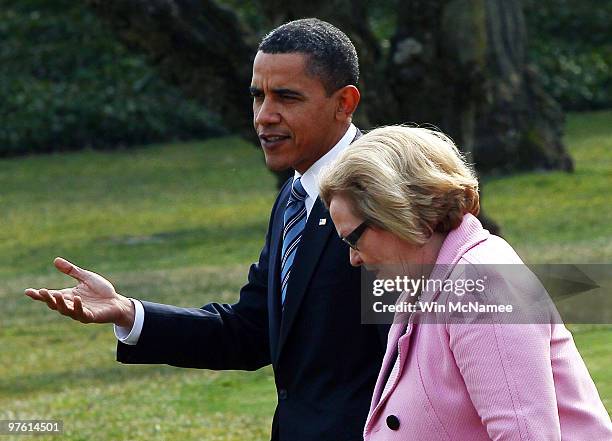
[295,221]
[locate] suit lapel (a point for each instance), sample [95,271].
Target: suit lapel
[313,242]
[399,337]
[274,295]
[395,333]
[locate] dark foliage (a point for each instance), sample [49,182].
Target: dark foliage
[571,45]
[67,83]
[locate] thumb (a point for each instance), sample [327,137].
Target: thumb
[69,268]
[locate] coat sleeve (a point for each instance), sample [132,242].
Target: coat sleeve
[507,372]
[508,375]
[215,336]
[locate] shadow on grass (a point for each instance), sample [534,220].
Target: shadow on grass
[221,243]
[59,381]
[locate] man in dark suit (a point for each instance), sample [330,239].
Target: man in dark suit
[300,309]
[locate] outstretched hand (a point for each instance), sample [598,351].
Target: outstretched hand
[92,300]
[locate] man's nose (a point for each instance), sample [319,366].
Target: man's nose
[355,257]
[267,113]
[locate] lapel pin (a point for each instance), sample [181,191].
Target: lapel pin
[322,221]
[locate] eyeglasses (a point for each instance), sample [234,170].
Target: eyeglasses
[352,238]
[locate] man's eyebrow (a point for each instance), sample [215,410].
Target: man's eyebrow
[255,91]
[287,92]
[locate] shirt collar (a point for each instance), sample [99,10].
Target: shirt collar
[309,179]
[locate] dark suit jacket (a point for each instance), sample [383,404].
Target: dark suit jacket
[325,362]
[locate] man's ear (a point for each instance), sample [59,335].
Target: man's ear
[347,98]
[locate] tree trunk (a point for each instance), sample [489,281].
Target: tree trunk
[460,64]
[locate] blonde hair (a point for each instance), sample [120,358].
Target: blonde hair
[410,181]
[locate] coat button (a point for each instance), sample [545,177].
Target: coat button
[282,394]
[393,422]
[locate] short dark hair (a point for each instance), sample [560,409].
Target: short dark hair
[332,56]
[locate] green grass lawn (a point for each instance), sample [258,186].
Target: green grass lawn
[180,224]
[561,217]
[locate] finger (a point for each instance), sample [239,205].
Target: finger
[70,268]
[84,316]
[33,294]
[61,304]
[48,299]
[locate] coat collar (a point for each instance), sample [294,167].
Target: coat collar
[460,240]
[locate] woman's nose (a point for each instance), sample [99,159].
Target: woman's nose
[355,257]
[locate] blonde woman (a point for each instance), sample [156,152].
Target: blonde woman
[406,195]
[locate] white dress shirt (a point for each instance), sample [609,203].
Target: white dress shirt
[310,183]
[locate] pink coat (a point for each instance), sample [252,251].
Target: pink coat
[484,381]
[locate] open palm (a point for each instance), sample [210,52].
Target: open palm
[92,300]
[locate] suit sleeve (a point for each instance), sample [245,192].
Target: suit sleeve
[215,336]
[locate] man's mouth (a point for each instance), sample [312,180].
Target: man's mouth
[271,140]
